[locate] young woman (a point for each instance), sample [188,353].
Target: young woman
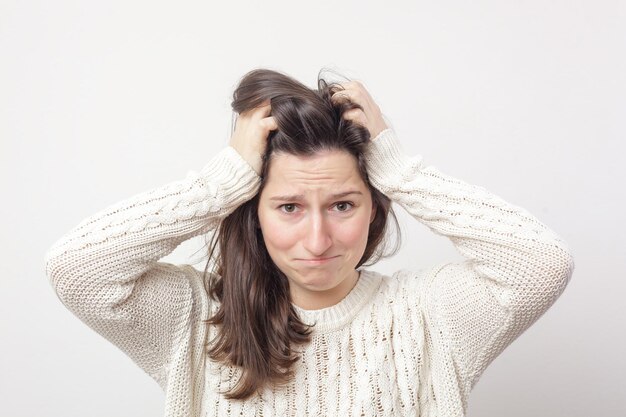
[285,319]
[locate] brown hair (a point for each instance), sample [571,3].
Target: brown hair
[257,323]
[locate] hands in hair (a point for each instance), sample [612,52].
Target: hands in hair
[252,128]
[370,117]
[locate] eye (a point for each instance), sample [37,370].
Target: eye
[344,206]
[288,208]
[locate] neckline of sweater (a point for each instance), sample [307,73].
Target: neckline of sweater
[336,316]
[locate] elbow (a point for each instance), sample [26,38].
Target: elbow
[54,270]
[58,269]
[53,263]
[562,263]
[49,266]
[61,265]
[547,275]
[555,268]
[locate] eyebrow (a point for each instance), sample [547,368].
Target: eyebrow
[298,197]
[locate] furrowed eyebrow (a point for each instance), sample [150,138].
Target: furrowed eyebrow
[299,197]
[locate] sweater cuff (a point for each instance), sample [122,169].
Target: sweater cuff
[386,161]
[238,181]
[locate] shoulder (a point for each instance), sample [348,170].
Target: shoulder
[405,279]
[405,286]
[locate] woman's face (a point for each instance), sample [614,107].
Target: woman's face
[315,213]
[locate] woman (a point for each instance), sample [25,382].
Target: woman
[288,321]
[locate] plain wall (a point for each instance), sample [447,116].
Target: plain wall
[102,100]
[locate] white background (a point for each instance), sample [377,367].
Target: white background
[102,100]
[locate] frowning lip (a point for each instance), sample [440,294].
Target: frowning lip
[317,260]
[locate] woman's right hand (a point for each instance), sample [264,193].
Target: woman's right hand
[252,128]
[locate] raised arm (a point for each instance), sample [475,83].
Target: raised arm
[515,267]
[105,270]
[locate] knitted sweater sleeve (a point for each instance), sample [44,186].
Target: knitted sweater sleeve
[106,270]
[515,266]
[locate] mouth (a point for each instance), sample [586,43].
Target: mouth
[316,261]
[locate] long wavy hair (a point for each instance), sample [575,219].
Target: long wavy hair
[257,324]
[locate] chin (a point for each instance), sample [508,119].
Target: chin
[319,280]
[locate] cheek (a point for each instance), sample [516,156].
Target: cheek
[275,234]
[354,233]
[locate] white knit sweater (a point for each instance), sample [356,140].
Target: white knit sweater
[410,344]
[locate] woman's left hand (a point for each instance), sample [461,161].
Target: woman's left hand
[370,117]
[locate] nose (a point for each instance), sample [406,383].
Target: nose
[317,239]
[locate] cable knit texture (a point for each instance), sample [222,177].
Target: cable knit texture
[410,344]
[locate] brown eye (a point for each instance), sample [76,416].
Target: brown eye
[289,208]
[343,206]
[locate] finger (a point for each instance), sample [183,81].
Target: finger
[269,123]
[265,107]
[341,95]
[356,112]
[342,92]
[355,115]
[261,111]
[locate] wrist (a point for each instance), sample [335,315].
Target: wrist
[252,159]
[255,162]
[378,129]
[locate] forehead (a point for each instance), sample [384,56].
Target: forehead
[328,168]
